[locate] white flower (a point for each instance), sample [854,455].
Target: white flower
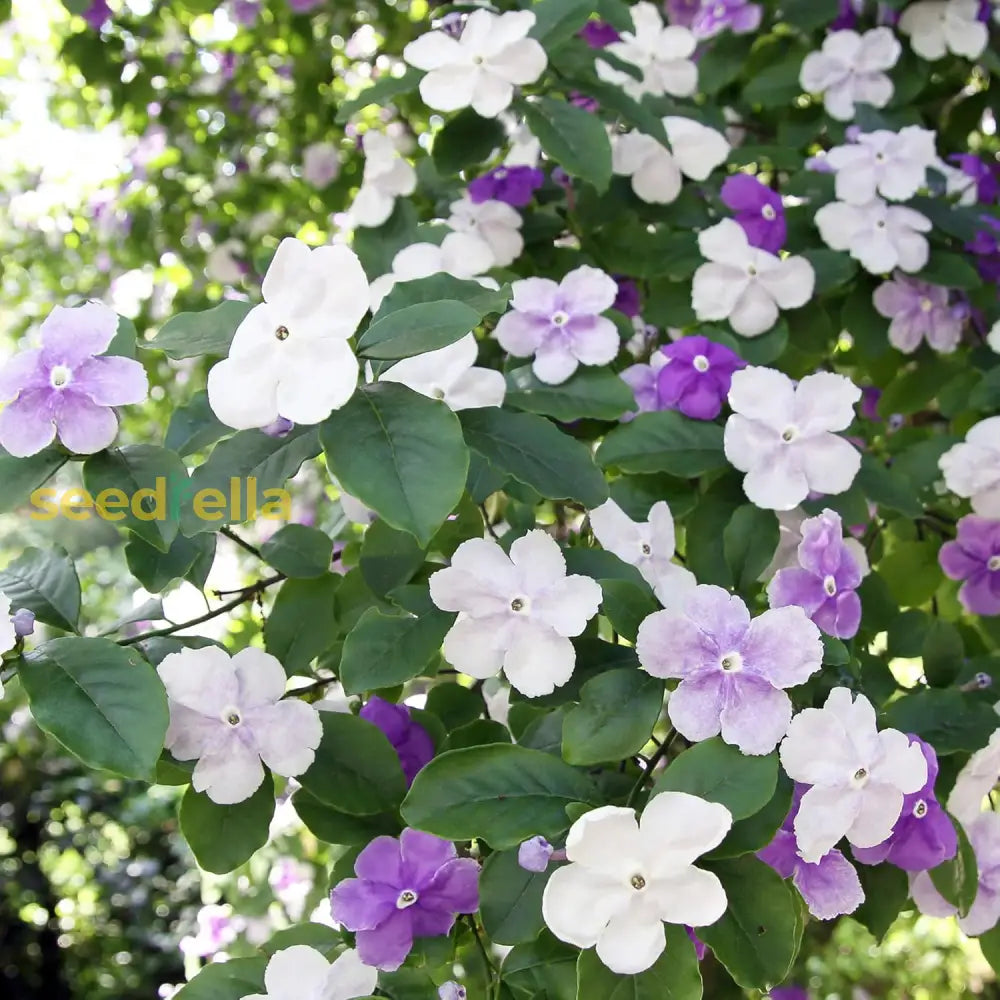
[993,337]
[388,175]
[302,973]
[459,254]
[662,53]
[625,878]
[880,237]
[448,374]
[937,27]
[495,222]
[745,284]
[320,164]
[649,546]
[481,68]
[972,469]
[8,635]
[975,781]
[695,152]
[781,435]
[850,69]
[290,357]
[858,774]
[516,611]
[892,164]
[227,714]
[524,150]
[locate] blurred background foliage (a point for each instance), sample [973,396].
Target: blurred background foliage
[151,155]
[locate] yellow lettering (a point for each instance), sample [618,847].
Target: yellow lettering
[111,500]
[277,507]
[203,498]
[44,506]
[157,510]
[73,499]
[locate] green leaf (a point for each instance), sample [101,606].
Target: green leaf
[675,975]
[298,551]
[948,719]
[302,623]
[535,453]
[476,733]
[752,833]
[356,769]
[868,328]
[573,137]
[809,14]
[616,715]
[389,558]
[886,889]
[336,827]
[511,900]
[958,878]
[323,939]
[943,653]
[401,454]
[139,487]
[950,270]
[888,488]
[912,573]
[46,583]
[224,837]
[758,936]
[231,980]
[101,701]
[416,329]
[557,20]
[20,477]
[544,969]
[915,388]
[990,944]
[245,478]
[502,793]
[194,427]
[591,392]
[832,268]
[626,604]
[749,543]
[381,92]
[465,140]
[718,772]
[383,650]
[193,334]
[664,442]
[186,558]
[777,83]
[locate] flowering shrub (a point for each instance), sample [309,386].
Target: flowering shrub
[649,605]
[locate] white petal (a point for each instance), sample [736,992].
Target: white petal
[830,463]
[261,677]
[472,647]
[688,896]
[777,484]
[763,394]
[632,941]
[539,560]
[243,392]
[316,378]
[295,972]
[568,605]
[791,283]
[880,806]
[840,223]
[432,51]
[754,312]
[229,775]
[475,388]
[491,95]
[606,840]
[825,401]
[676,828]
[450,87]
[716,290]
[286,735]
[348,978]
[617,532]
[697,148]
[589,289]
[726,243]
[825,815]
[902,763]
[817,749]
[538,660]
[578,903]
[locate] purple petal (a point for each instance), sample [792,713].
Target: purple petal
[386,946]
[533,855]
[798,587]
[111,381]
[830,887]
[381,861]
[423,855]
[70,336]
[361,905]
[781,854]
[83,426]
[455,887]
[23,371]
[695,707]
[840,616]
[980,594]
[26,425]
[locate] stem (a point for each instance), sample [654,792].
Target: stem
[661,752]
[486,521]
[241,542]
[492,972]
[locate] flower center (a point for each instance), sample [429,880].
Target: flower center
[926,305]
[500,173]
[830,586]
[645,549]
[281,333]
[231,716]
[731,663]
[560,318]
[406,898]
[520,604]
[768,212]
[438,393]
[752,271]
[60,376]
[993,564]
[920,809]
[700,363]
[478,60]
[880,224]
[638,882]
[880,157]
[860,777]
[719,10]
[789,434]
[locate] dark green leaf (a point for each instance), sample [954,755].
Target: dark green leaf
[664,442]
[511,900]
[749,543]
[573,137]
[416,329]
[298,551]
[302,623]
[888,488]
[886,889]
[948,719]
[21,477]
[943,653]
[958,878]
[156,570]
[381,92]
[591,392]
[193,427]
[337,827]
[46,583]
[626,604]
[190,335]
[465,140]
[950,270]
[231,980]
[389,558]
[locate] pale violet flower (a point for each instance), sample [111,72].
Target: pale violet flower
[891,164]
[302,973]
[647,545]
[224,262]
[919,311]
[561,324]
[880,237]
[516,612]
[218,927]
[480,68]
[449,374]
[320,164]
[388,176]
[228,714]
[858,775]
[850,69]
[626,878]
[733,671]
[496,223]
[9,632]
[972,469]
[782,435]
[745,284]
[461,255]
[290,357]
[937,27]
[656,172]
[662,53]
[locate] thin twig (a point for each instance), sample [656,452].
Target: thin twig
[661,752]
[241,542]
[486,521]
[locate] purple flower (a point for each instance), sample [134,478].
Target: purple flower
[918,311]
[63,387]
[739,16]
[923,836]
[24,622]
[700,948]
[408,738]
[869,403]
[824,582]
[245,12]
[697,377]
[279,428]
[451,991]
[758,210]
[682,12]
[986,245]
[96,14]
[847,15]
[830,886]
[513,185]
[535,854]
[597,34]
[304,6]
[732,671]
[986,175]
[974,556]
[408,888]
[790,992]
[628,302]
[583,101]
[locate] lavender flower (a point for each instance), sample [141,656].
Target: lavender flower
[758,210]
[24,622]
[64,387]
[974,557]
[597,34]
[739,16]
[697,377]
[408,738]
[628,302]
[923,836]
[918,311]
[682,12]
[245,12]
[408,888]
[513,185]
[535,854]
[96,14]
[829,886]
[451,991]
[304,6]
